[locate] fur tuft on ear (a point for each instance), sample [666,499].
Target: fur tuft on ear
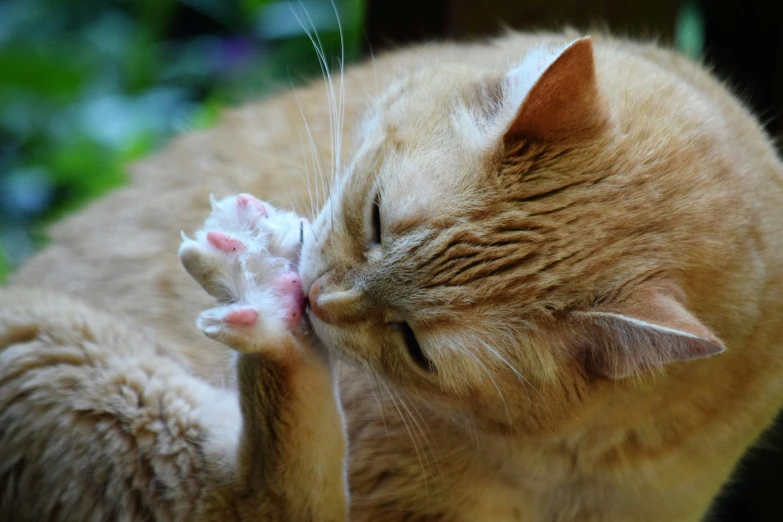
[650,330]
[555,95]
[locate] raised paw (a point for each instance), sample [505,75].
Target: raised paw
[246,256]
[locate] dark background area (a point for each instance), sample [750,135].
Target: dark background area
[88,86]
[743,40]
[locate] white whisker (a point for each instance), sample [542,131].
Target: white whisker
[502,398]
[377,392]
[525,382]
[412,438]
[424,442]
[314,149]
[315,39]
[304,159]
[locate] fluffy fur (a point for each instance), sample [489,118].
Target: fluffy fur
[590,261]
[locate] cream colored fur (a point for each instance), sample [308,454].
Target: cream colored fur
[552,400]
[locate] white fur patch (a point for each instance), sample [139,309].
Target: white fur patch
[482,126]
[522,78]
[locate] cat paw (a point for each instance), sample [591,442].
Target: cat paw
[246,256]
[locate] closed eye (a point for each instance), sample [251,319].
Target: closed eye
[414,348]
[376,220]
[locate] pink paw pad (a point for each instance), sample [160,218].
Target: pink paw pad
[292,311]
[246,200]
[289,284]
[242,317]
[224,242]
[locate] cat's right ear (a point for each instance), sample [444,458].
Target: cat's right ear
[553,95]
[649,329]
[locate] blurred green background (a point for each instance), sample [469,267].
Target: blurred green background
[87,86]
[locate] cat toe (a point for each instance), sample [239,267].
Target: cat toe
[247,201]
[242,317]
[241,327]
[209,270]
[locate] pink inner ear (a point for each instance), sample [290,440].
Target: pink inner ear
[650,330]
[564,102]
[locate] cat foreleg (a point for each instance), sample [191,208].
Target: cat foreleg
[290,461]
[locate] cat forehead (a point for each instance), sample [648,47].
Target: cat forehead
[418,168]
[413,146]
[428,97]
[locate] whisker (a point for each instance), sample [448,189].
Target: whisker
[525,382]
[314,148]
[340,364]
[426,437]
[377,393]
[424,442]
[412,438]
[304,159]
[502,398]
[372,60]
[315,39]
[341,101]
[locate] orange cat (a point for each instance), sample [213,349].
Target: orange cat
[553,292]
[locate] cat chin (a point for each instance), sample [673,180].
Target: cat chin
[329,343]
[320,330]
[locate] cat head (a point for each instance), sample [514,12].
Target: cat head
[472,252]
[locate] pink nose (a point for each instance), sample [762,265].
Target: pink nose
[315,290]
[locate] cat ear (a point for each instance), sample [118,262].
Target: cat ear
[555,95]
[648,331]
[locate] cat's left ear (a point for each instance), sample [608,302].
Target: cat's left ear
[555,95]
[649,330]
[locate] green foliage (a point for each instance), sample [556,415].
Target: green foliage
[88,86]
[689,30]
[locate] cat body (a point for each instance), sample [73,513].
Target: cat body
[586,249]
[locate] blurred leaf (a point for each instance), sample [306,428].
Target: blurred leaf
[206,115]
[26,191]
[82,170]
[156,14]
[252,7]
[138,146]
[689,30]
[48,71]
[141,63]
[88,86]
[5,267]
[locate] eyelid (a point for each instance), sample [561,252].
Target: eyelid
[413,347]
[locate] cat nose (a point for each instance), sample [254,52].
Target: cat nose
[336,307]
[312,297]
